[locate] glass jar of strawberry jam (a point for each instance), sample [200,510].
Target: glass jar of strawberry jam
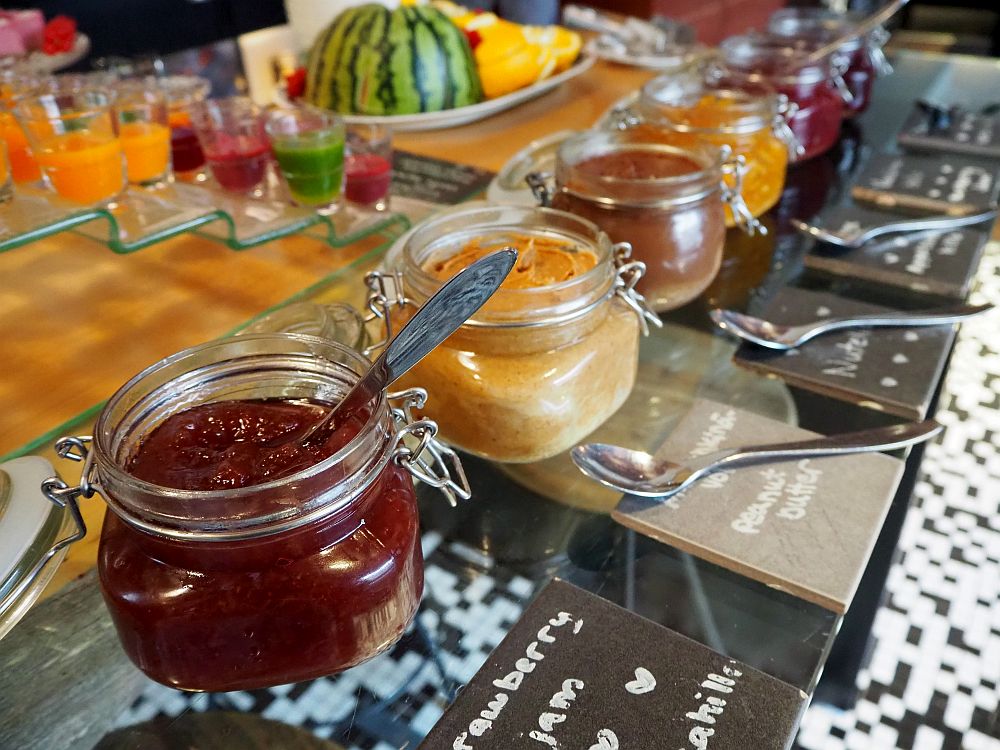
[234,555]
[667,202]
[693,111]
[817,89]
[865,60]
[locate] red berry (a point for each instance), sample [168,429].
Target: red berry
[295,83]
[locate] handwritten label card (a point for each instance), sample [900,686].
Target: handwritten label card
[942,263]
[890,369]
[931,184]
[964,133]
[805,526]
[580,673]
[436,180]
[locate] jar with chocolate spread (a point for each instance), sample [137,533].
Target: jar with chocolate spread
[816,88]
[695,111]
[667,202]
[236,555]
[552,354]
[865,60]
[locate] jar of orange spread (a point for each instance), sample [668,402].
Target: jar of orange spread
[551,355]
[691,111]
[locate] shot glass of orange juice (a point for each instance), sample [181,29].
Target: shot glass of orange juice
[141,115]
[13,85]
[6,184]
[73,137]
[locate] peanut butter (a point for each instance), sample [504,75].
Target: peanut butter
[541,260]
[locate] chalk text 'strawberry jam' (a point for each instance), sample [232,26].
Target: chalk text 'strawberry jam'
[233,556]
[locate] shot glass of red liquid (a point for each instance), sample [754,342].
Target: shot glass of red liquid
[182,92]
[368,166]
[231,133]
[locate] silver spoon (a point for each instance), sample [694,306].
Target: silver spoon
[638,473]
[438,318]
[859,236]
[860,29]
[775,336]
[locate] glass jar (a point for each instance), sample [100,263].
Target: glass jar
[538,368]
[15,84]
[865,60]
[182,92]
[246,587]
[816,88]
[692,111]
[665,201]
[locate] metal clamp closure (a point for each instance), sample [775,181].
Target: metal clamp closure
[735,168]
[63,495]
[429,460]
[385,292]
[542,187]
[623,117]
[627,275]
[783,115]
[839,63]
[876,55]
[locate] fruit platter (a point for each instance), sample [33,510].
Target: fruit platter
[41,45]
[433,64]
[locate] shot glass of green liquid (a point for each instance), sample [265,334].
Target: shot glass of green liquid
[308,145]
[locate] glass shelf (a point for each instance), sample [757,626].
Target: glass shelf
[142,217]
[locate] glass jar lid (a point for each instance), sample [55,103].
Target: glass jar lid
[774,59]
[699,104]
[814,26]
[338,322]
[30,528]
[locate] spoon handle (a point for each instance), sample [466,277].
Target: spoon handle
[862,28]
[439,317]
[931,222]
[864,441]
[932,317]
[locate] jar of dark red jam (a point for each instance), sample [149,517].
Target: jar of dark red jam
[233,555]
[666,201]
[865,60]
[817,89]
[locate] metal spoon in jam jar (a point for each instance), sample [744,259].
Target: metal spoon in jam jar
[438,318]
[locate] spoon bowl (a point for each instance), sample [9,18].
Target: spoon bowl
[638,473]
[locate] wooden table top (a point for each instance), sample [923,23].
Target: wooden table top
[77,320]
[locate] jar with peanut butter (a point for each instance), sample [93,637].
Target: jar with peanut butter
[552,354]
[667,201]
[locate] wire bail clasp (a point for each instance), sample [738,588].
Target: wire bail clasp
[780,126]
[429,460]
[386,292]
[735,168]
[627,275]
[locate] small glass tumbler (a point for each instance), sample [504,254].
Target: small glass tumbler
[368,166]
[231,133]
[182,93]
[141,114]
[73,138]
[308,145]
[6,183]
[15,84]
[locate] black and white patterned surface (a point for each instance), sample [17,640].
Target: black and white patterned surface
[932,683]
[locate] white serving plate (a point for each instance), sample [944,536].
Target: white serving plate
[39,62]
[450,118]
